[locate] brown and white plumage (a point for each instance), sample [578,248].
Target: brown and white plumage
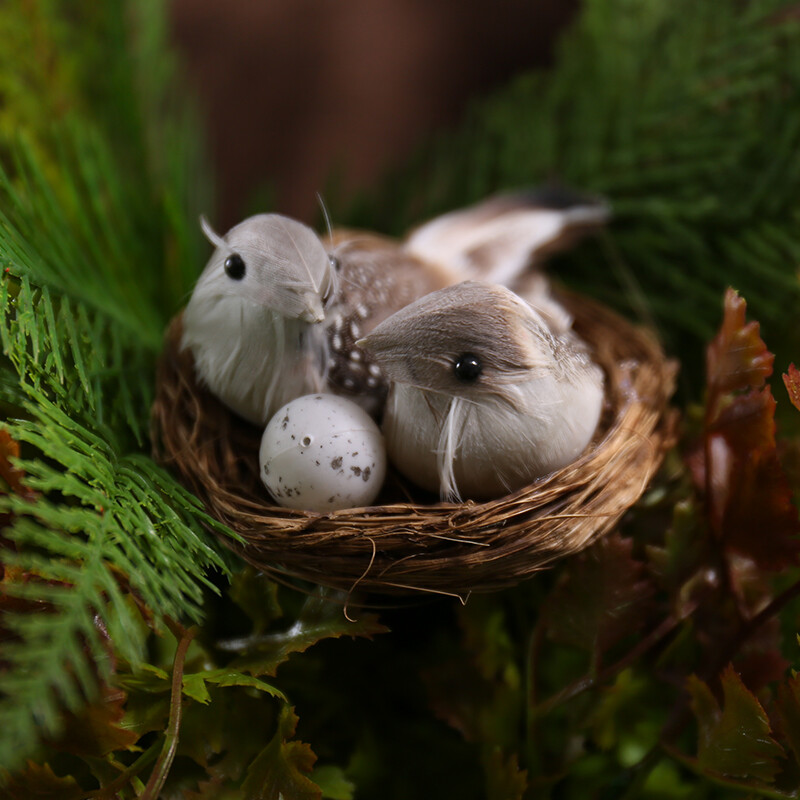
[376,278]
[486,396]
[498,240]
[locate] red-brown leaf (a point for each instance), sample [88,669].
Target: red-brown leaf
[95,731]
[9,449]
[748,497]
[40,782]
[603,595]
[791,380]
[737,358]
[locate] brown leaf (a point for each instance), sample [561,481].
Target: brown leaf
[95,731]
[39,782]
[9,449]
[603,596]
[737,358]
[748,497]
[791,380]
[733,741]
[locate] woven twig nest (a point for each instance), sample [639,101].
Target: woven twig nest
[409,542]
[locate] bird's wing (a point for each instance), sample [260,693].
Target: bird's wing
[498,239]
[376,278]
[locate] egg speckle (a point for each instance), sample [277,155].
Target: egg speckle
[321,452]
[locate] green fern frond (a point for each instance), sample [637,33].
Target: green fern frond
[99,244]
[101,514]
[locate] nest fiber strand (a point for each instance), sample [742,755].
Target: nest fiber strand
[419,545]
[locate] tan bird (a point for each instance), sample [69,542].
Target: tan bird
[486,395]
[277,310]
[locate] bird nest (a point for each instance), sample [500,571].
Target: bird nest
[409,542]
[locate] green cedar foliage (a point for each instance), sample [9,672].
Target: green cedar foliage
[685,115]
[652,665]
[96,252]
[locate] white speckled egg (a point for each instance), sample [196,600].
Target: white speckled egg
[321,452]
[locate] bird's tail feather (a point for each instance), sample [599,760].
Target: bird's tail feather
[499,239]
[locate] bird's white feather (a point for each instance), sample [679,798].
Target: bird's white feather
[251,357]
[253,331]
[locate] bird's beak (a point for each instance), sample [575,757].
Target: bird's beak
[364,343]
[312,309]
[379,346]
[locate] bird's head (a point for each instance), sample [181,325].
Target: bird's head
[471,340]
[273,261]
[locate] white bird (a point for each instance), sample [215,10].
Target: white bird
[254,323]
[486,396]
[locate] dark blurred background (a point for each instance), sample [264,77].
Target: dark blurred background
[295,91]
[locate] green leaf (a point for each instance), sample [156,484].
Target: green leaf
[734,741]
[789,711]
[225,735]
[332,783]
[678,563]
[616,704]
[504,779]
[479,691]
[319,619]
[257,596]
[194,684]
[487,639]
[281,769]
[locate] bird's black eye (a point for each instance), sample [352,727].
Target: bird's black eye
[467,367]
[234,266]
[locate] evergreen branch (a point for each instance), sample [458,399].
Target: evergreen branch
[53,663]
[685,115]
[92,219]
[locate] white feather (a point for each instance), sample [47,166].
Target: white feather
[447,450]
[463,449]
[252,358]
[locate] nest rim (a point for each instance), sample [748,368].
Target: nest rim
[418,545]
